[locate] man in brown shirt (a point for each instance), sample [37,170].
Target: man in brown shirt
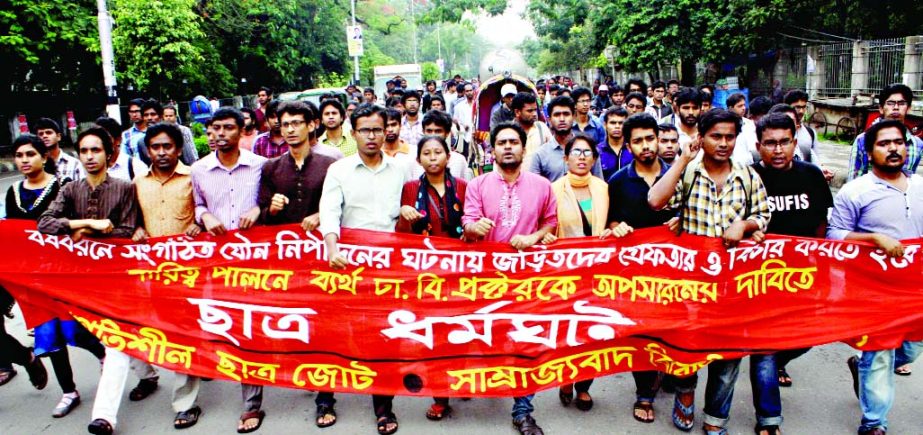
[291,184]
[96,205]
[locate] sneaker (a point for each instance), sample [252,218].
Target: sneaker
[66,405]
[37,373]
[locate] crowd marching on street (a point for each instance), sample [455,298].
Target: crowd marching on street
[565,161]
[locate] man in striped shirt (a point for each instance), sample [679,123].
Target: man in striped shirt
[225,185]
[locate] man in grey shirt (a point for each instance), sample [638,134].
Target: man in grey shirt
[881,207]
[548,161]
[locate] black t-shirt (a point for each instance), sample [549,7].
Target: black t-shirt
[798,198]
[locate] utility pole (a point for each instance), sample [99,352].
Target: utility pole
[413,18]
[355,58]
[104,22]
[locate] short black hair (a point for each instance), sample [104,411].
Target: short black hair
[299,108]
[249,111]
[508,125]
[794,95]
[111,125]
[718,116]
[636,96]
[666,126]
[369,90]
[227,112]
[408,95]
[783,108]
[393,101]
[521,99]
[554,88]
[100,133]
[637,122]
[687,95]
[871,135]
[438,117]
[460,88]
[775,121]
[580,136]
[709,86]
[658,84]
[152,104]
[638,82]
[47,124]
[136,102]
[614,111]
[364,111]
[615,88]
[895,88]
[735,98]
[562,100]
[266,90]
[672,82]
[435,98]
[172,131]
[391,114]
[760,106]
[581,92]
[271,109]
[435,137]
[335,103]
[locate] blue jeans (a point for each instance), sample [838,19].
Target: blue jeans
[719,390]
[876,382]
[522,407]
[764,380]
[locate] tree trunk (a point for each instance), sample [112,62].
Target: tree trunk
[687,71]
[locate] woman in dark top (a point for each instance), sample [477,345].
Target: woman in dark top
[28,199]
[433,206]
[30,155]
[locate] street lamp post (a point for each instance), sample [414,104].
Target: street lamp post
[355,58]
[104,22]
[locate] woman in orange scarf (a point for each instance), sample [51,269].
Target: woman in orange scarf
[583,205]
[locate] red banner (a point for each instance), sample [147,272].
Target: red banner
[431,316]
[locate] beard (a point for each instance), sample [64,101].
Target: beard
[689,121]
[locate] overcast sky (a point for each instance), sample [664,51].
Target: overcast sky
[508,29]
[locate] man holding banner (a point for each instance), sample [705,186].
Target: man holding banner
[716,198]
[512,206]
[869,209]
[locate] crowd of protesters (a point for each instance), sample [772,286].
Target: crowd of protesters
[566,162]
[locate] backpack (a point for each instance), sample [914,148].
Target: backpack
[689,179]
[807,147]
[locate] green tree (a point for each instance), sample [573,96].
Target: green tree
[429,71]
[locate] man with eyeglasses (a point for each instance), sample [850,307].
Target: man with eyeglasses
[362,191]
[584,121]
[799,199]
[138,125]
[882,208]
[798,99]
[893,103]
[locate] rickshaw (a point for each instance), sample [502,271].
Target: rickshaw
[487,96]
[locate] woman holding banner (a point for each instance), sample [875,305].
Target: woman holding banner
[433,206]
[28,199]
[583,206]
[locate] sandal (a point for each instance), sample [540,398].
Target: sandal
[324,411]
[566,394]
[683,416]
[903,370]
[784,379]
[769,429]
[719,431]
[7,376]
[583,405]
[438,411]
[100,427]
[528,426]
[385,421]
[645,407]
[66,405]
[250,415]
[187,418]
[145,388]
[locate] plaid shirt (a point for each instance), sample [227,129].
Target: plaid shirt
[859,159]
[69,168]
[707,213]
[263,146]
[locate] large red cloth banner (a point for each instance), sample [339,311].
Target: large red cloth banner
[431,316]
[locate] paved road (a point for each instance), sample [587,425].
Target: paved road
[820,402]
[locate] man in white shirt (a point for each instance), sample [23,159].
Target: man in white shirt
[737,104]
[462,112]
[363,191]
